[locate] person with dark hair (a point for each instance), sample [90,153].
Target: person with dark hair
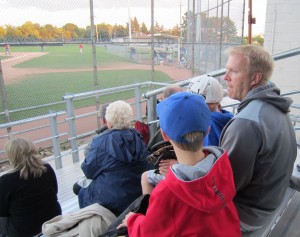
[151,178]
[169,90]
[28,194]
[196,198]
[83,181]
[260,139]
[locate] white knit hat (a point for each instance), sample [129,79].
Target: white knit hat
[208,87]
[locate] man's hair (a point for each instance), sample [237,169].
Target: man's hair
[23,155]
[119,114]
[259,60]
[170,90]
[194,141]
[102,110]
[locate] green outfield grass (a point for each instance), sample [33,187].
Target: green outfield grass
[51,87]
[67,56]
[46,88]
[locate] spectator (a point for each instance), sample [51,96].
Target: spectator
[28,194]
[260,139]
[169,90]
[151,178]
[212,91]
[196,197]
[115,162]
[84,182]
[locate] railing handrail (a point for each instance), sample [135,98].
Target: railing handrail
[220,72]
[28,120]
[108,90]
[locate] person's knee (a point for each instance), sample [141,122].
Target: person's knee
[144,178]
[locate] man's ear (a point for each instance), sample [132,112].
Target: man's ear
[256,79]
[165,136]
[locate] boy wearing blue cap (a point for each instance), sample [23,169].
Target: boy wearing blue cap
[195,199]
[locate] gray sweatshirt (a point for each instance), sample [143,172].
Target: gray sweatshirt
[262,148]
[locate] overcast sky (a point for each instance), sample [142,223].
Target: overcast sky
[60,12]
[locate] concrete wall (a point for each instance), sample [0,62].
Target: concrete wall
[282,32]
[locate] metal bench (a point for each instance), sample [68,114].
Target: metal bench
[267,229]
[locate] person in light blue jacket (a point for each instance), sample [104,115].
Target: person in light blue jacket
[115,162]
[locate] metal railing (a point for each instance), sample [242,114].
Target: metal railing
[149,97]
[53,124]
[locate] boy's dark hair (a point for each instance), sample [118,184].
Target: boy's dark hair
[194,141]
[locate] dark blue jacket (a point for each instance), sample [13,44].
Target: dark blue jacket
[115,162]
[218,122]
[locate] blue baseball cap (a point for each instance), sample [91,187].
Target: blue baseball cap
[182,113]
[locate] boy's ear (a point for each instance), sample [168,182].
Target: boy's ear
[165,136]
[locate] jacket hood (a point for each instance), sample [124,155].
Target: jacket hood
[269,93]
[221,119]
[208,193]
[126,145]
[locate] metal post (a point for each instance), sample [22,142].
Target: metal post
[249,21]
[193,38]
[55,142]
[94,58]
[221,34]
[72,130]
[151,111]
[243,21]
[138,108]
[4,100]
[180,36]
[129,23]
[152,41]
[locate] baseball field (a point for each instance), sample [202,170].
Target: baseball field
[34,76]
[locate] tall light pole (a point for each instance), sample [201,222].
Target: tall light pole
[94,57]
[180,36]
[251,20]
[129,21]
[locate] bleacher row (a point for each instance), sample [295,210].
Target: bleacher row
[67,176]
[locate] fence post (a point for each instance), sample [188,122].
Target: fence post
[55,142]
[138,108]
[72,129]
[151,114]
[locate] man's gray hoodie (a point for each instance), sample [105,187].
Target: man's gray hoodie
[262,148]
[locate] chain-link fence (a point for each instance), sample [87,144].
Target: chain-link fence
[51,48]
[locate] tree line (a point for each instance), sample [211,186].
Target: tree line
[104,32]
[213,29]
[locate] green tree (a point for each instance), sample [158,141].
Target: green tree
[13,33]
[30,30]
[135,24]
[144,28]
[2,32]
[158,28]
[258,39]
[214,27]
[72,31]
[120,31]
